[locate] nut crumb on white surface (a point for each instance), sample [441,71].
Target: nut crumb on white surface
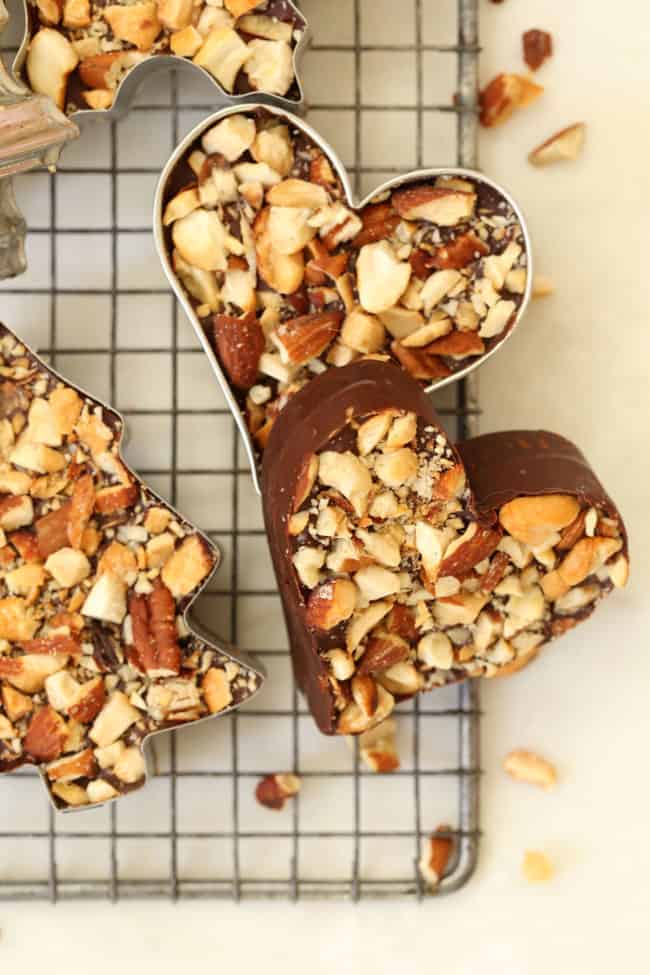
[537,868]
[525,766]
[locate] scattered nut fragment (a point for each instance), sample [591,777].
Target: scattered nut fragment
[538,47]
[505,94]
[526,766]
[542,286]
[436,853]
[565,145]
[537,868]
[274,790]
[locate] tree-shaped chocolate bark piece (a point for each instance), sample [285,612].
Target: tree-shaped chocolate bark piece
[96,576]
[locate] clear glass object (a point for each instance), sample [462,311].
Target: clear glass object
[32,133]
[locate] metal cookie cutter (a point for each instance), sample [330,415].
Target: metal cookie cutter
[32,133]
[144,64]
[399,181]
[180,704]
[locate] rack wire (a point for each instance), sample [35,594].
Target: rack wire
[93,303]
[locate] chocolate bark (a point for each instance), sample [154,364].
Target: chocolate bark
[515,464]
[244,47]
[394,577]
[97,574]
[286,276]
[313,419]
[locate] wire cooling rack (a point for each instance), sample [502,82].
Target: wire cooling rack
[392,86]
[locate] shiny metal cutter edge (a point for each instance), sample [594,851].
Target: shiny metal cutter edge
[410,177]
[46,129]
[195,628]
[127,88]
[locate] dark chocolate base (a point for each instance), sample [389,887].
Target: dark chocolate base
[308,422]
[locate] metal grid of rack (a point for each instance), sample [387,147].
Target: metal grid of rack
[94,302]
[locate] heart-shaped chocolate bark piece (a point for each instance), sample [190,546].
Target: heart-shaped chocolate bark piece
[80,52]
[98,573]
[395,576]
[284,276]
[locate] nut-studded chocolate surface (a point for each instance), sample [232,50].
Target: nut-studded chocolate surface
[81,50]
[390,577]
[288,279]
[96,574]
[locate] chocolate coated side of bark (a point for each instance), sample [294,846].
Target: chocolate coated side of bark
[306,424]
[503,466]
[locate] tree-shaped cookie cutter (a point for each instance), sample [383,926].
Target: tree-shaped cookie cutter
[97,653]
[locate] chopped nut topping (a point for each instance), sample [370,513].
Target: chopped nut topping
[94,651]
[288,280]
[81,59]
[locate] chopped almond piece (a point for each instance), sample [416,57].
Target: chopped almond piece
[538,47]
[136,23]
[565,145]
[528,767]
[505,94]
[274,790]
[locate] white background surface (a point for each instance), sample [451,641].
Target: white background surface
[579,366]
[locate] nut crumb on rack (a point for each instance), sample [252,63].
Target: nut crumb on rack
[274,790]
[436,853]
[94,651]
[288,280]
[80,51]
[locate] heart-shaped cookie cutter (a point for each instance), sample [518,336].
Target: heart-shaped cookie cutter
[32,134]
[391,184]
[205,640]
[135,76]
